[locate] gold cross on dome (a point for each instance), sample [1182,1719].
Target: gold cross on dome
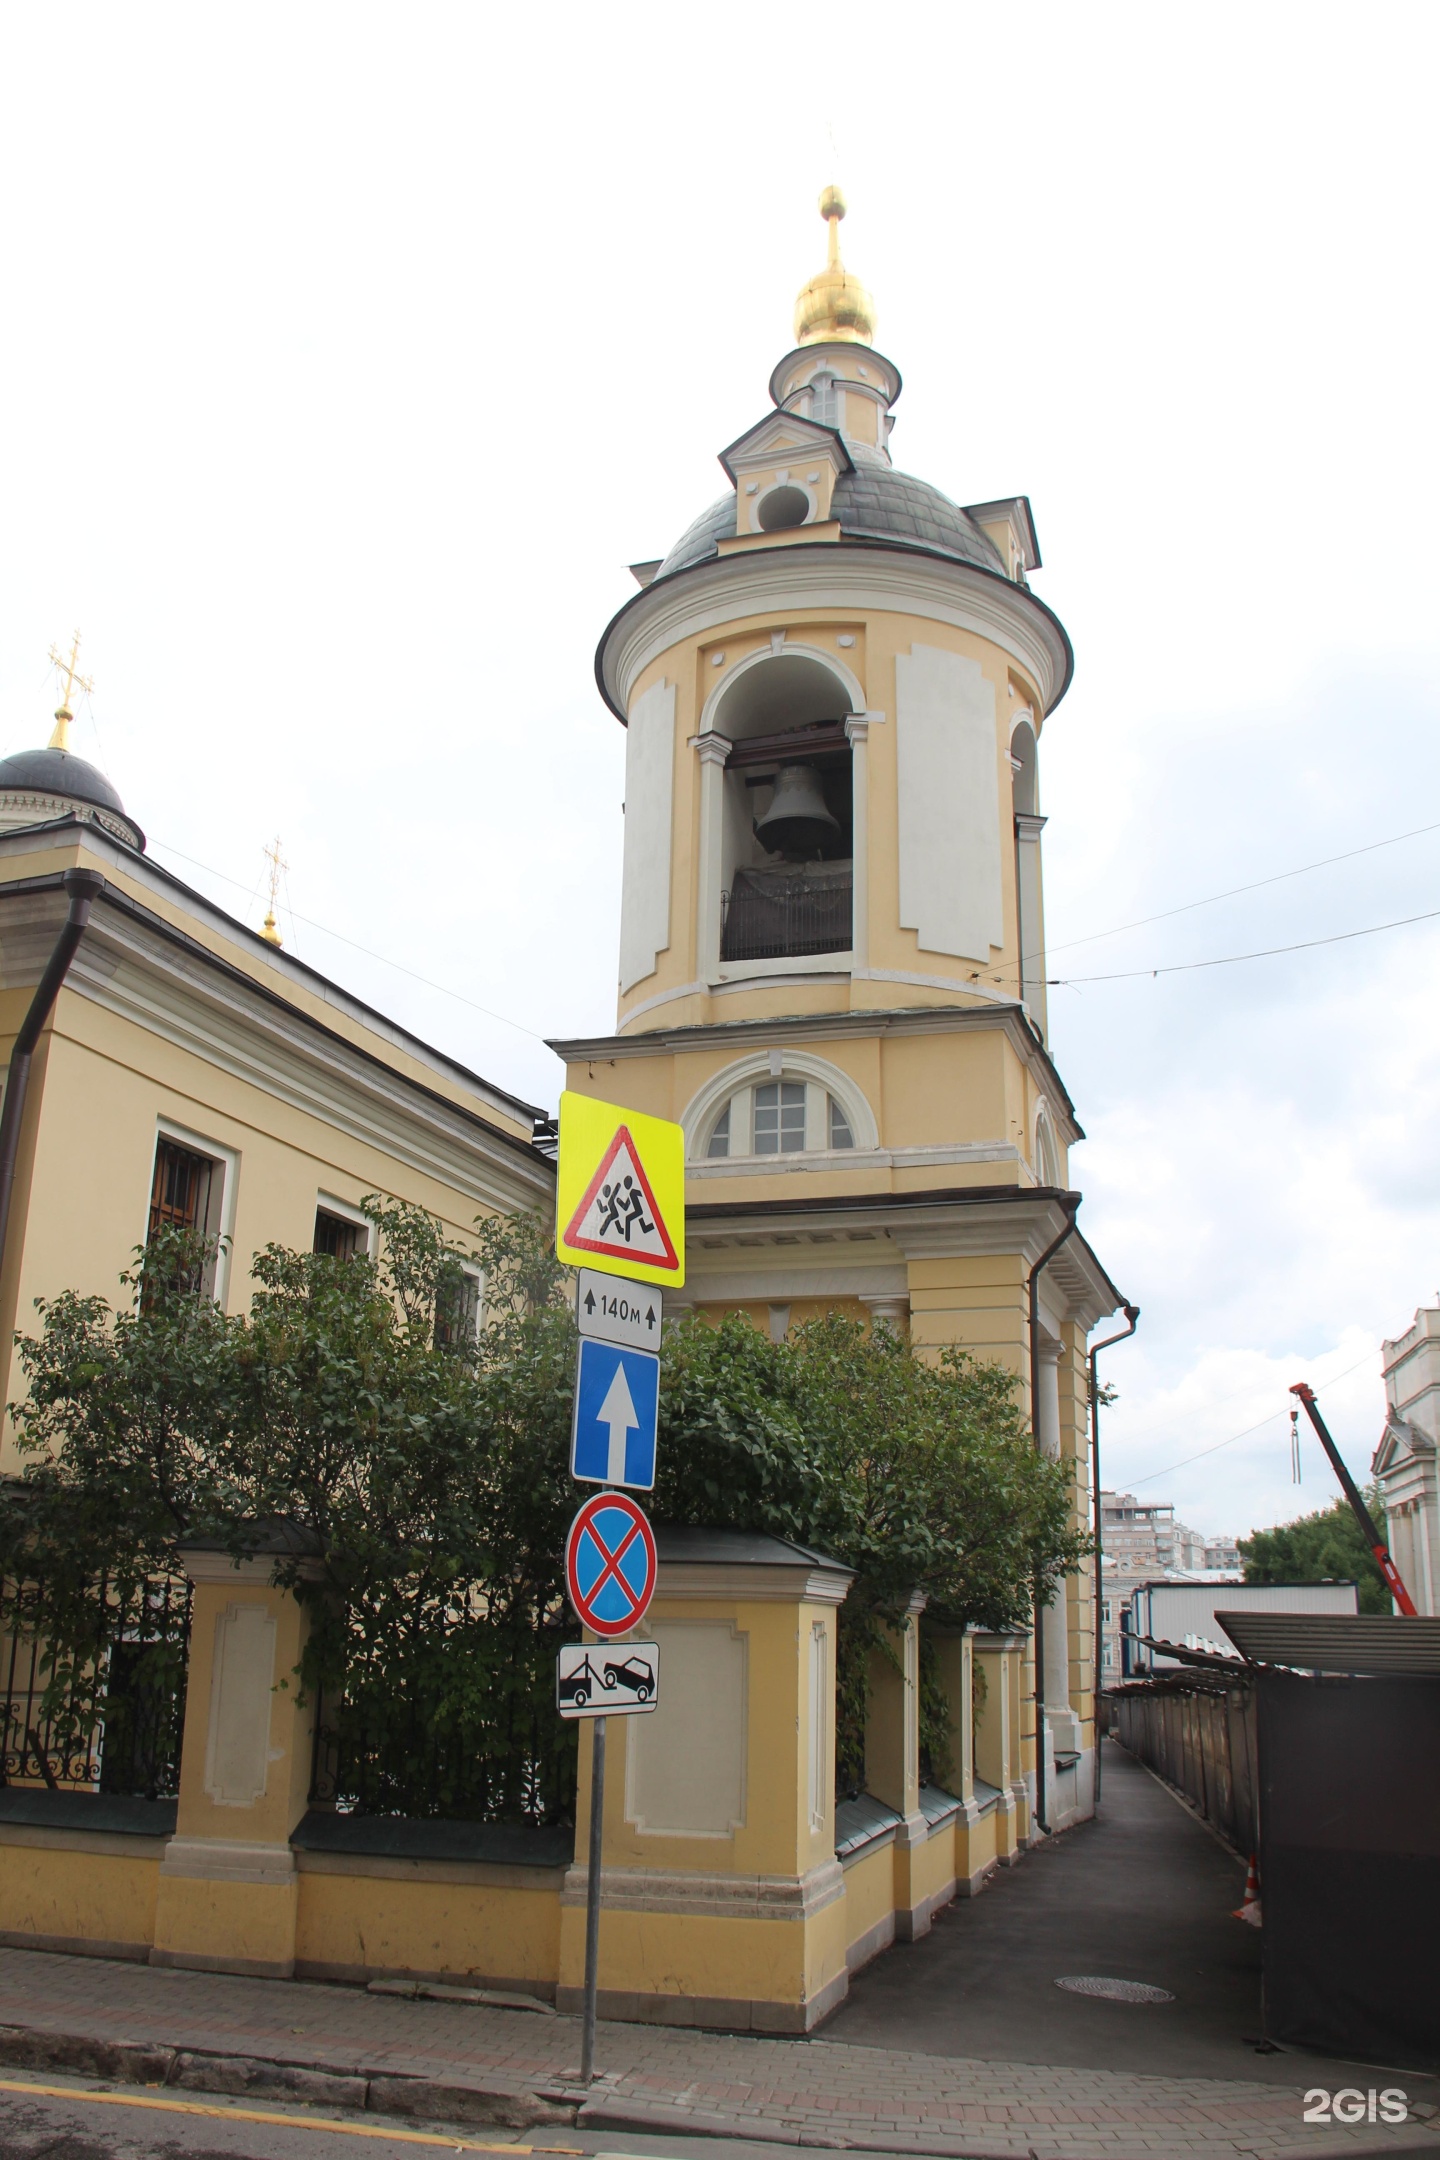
[60,740]
[278,867]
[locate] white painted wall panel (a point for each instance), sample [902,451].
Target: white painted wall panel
[645,887]
[685,1773]
[949,836]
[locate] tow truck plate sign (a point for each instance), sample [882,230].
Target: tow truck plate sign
[617,1679]
[615,1309]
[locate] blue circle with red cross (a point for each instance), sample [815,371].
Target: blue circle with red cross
[610,1563]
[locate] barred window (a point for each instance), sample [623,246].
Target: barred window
[186,1192]
[457,1311]
[338,1237]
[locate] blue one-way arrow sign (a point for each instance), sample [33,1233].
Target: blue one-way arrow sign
[617,1405]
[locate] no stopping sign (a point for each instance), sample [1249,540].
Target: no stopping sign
[610,1563]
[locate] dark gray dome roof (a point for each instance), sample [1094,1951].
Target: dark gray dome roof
[58,772]
[872,503]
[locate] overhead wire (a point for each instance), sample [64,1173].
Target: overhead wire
[1334,1381]
[355,945]
[1269,952]
[1187,907]
[1326,862]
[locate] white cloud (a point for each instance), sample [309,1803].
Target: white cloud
[352,355]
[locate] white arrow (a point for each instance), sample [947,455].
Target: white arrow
[619,1413]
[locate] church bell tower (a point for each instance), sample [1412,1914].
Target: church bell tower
[834,688]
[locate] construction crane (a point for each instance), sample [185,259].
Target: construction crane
[1371,1535]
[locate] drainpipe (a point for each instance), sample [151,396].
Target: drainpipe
[1071,1203]
[1132,1314]
[84,888]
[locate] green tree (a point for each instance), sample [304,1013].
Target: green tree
[919,1476]
[426,1468]
[1327,1546]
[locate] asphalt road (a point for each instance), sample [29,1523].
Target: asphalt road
[1145,1892]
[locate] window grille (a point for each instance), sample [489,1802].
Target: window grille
[182,1188]
[774,914]
[457,1312]
[338,1237]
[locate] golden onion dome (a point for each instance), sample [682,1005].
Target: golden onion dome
[834,304]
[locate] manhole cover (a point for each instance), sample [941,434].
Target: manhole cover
[1134,1991]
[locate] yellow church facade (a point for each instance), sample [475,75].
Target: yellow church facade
[191,1071]
[835,688]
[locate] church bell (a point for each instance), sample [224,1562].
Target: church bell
[797,824]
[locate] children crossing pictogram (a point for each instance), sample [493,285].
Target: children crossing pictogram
[618,1215]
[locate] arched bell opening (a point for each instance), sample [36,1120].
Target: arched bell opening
[787,848]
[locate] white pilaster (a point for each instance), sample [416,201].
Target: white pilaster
[713,751]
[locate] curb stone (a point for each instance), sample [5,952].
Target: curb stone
[445,2101]
[125,2062]
[251,2076]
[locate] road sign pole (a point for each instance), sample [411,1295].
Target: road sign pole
[592,1898]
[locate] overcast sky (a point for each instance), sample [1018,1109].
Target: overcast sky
[352,353]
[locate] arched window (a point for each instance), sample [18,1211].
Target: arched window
[825,399]
[751,1111]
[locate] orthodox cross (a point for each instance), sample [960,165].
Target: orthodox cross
[60,740]
[278,867]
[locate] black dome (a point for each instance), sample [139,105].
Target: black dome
[872,503]
[58,772]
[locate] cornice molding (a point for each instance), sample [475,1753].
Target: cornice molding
[742,1035]
[724,1580]
[857,575]
[850,1159]
[282,976]
[176,991]
[969,1222]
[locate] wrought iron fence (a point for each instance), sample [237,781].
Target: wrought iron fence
[110,1718]
[769,914]
[444,1747]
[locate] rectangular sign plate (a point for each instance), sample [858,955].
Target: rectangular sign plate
[614,1308]
[620,1191]
[617,1411]
[618,1679]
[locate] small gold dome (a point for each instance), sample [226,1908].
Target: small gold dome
[834,304]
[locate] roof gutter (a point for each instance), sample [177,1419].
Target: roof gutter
[84,888]
[1132,1318]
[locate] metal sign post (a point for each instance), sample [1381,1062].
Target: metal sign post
[610,1569]
[620,1219]
[592,1898]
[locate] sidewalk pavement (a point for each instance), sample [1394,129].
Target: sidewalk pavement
[343,2047]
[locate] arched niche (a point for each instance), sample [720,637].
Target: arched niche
[782,712]
[1024,768]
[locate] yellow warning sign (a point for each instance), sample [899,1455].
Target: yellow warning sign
[620,1206]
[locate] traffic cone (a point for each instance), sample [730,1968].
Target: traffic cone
[1249,1907]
